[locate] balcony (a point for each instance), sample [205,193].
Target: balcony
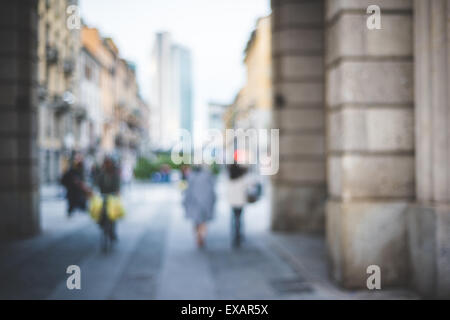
[80,113]
[63,103]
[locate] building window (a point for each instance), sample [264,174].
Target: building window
[57,127]
[48,125]
[87,72]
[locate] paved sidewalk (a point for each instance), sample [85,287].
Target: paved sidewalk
[157,258]
[307,255]
[52,191]
[268,266]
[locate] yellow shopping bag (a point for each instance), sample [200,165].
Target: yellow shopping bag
[95,207]
[114,208]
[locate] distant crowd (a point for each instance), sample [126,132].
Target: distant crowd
[199,195]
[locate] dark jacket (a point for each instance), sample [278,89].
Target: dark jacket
[73,181]
[236,171]
[108,182]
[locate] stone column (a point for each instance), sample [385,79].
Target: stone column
[299,191]
[19,196]
[429,219]
[370,139]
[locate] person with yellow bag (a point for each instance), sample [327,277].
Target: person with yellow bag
[114,208]
[108,208]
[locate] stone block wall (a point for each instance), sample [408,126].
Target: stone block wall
[370,140]
[298,81]
[19,183]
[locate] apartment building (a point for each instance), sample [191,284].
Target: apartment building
[59,113]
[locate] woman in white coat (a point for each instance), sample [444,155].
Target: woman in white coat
[238,184]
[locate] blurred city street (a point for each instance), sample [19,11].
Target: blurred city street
[331,151]
[156,257]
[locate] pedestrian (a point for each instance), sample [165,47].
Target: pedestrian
[165,173]
[238,185]
[108,182]
[199,200]
[184,177]
[76,188]
[184,172]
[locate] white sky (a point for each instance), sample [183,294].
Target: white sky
[216,31]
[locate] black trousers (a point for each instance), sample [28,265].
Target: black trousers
[106,223]
[76,200]
[236,229]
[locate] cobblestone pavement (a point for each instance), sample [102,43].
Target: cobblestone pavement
[156,257]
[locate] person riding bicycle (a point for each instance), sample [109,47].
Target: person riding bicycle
[108,181]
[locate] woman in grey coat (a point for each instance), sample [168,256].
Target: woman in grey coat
[199,200]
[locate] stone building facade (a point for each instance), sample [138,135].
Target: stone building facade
[128,111]
[89,96]
[428,219]
[171,91]
[253,104]
[19,155]
[106,52]
[121,120]
[364,117]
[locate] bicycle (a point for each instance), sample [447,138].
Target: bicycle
[108,236]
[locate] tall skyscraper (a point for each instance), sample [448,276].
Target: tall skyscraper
[171,91]
[183,63]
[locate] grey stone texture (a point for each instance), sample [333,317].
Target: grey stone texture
[429,219]
[365,233]
[19,198]
[299,78]
[302,207]
[370,163]
[364,112]
[386,135]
